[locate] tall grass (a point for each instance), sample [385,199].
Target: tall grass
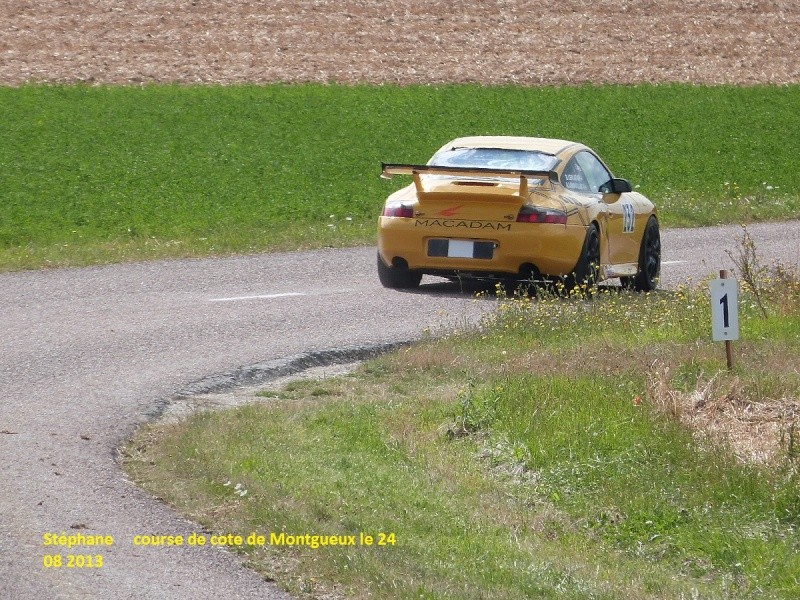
[643,483]
[91,174]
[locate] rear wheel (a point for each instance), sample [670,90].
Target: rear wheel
[398,276]
[587,271]
[646,278]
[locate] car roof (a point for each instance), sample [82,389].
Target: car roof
[547,145]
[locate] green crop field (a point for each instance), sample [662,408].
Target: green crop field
[102,174]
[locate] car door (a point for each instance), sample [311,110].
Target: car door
[619,213]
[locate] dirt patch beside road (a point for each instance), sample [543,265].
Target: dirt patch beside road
[352,41]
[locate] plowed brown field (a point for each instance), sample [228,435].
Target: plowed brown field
[400,41]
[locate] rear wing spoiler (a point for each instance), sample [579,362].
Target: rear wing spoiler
[389,169]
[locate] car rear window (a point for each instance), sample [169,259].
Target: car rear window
[494,158]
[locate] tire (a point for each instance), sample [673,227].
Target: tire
[397,277]
[587,271]
[646,279]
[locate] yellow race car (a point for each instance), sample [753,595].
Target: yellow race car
[517,208]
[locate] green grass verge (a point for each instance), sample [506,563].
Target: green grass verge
[99,174]
[565,449]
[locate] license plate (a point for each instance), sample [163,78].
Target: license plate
[461,249]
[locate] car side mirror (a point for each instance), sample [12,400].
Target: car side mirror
[616,186]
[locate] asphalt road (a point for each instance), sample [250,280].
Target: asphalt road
[87,354]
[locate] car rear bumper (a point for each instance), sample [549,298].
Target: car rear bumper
[516,248]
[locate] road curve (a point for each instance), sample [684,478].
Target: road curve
[87,354]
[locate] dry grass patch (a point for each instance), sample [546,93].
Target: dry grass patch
[728,410]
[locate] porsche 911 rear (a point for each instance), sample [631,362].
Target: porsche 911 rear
[476,222]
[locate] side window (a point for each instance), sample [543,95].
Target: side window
[596,173]
[573,177]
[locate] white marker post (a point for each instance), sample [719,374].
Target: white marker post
[725,313]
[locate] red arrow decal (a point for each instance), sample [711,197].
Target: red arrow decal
[449,212]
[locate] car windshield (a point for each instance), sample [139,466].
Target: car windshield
[494,158]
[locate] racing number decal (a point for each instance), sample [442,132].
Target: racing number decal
[628,218]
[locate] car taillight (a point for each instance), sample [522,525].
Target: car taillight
[531,214]
[398,211]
